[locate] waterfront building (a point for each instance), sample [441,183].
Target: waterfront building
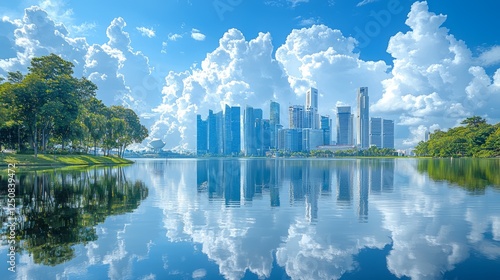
[311,119]
[290,139]
[326,127]
[231,131]
[201,135]
[388,134]
[376,132]
[274,122]
[311,139]
[363,118]
[249,137]
[213,145]
[344,126]
[296,116]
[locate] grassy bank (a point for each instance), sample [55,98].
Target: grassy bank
[59,160]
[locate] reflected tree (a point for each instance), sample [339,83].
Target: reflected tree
[474,175]
[60,209]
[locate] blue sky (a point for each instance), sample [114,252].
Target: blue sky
[428,64]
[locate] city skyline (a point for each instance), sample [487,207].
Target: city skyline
[425,66]
[307,131]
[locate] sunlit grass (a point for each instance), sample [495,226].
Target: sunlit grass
[60,159]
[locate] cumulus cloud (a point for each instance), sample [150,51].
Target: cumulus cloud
[432,71]
[147,32]
[36,34]
[324,58]
[197,35]
[237,72]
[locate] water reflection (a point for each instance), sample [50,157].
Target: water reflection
[58,209]
[234,180]
[294,219]
[475,175]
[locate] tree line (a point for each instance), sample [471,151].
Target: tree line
[48,107]
[373,151]
[474,138]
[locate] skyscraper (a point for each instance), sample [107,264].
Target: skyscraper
[274,112]
[232,135]
[213,145]
[201,135]
[249,132]
[388,134]
[344,125]
[376,132]
[311,119]
[274,122]
[296,115]
[326,126]
[363,120]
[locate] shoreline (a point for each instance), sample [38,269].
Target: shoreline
[60,160]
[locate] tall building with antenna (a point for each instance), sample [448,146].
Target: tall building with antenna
[363,119]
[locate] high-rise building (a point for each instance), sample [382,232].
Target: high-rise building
[249,137]
[311,119]
[312,98]
[344,125]
[427,135]
[274,123]
[363,118]
[219,123]
[388,134]
[311,139]
[213,145]
[232,124]
[274,116]
[265,136]
[290,140]
[326,126]
[376,132]
[296,115]
[201,135]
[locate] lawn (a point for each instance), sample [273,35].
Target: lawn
[54,160]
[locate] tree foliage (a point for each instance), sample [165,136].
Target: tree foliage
[476,138]
[48,107]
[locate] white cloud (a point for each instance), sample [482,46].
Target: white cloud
[296,2]
[434,78]
[365,2]
[282,3]
[237,72]
[174,37]
[307,21]
[197,35]
[147,32]
[324,58]
[491,56]
[164,47]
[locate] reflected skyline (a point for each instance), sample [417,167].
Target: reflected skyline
[241,181]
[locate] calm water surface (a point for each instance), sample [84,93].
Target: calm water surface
[258,219]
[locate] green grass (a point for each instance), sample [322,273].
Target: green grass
[59,160]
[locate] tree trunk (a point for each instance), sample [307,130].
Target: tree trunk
[35,140]
[18,138]
[95,147]
[43,140]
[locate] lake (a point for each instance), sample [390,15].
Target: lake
[256,219]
